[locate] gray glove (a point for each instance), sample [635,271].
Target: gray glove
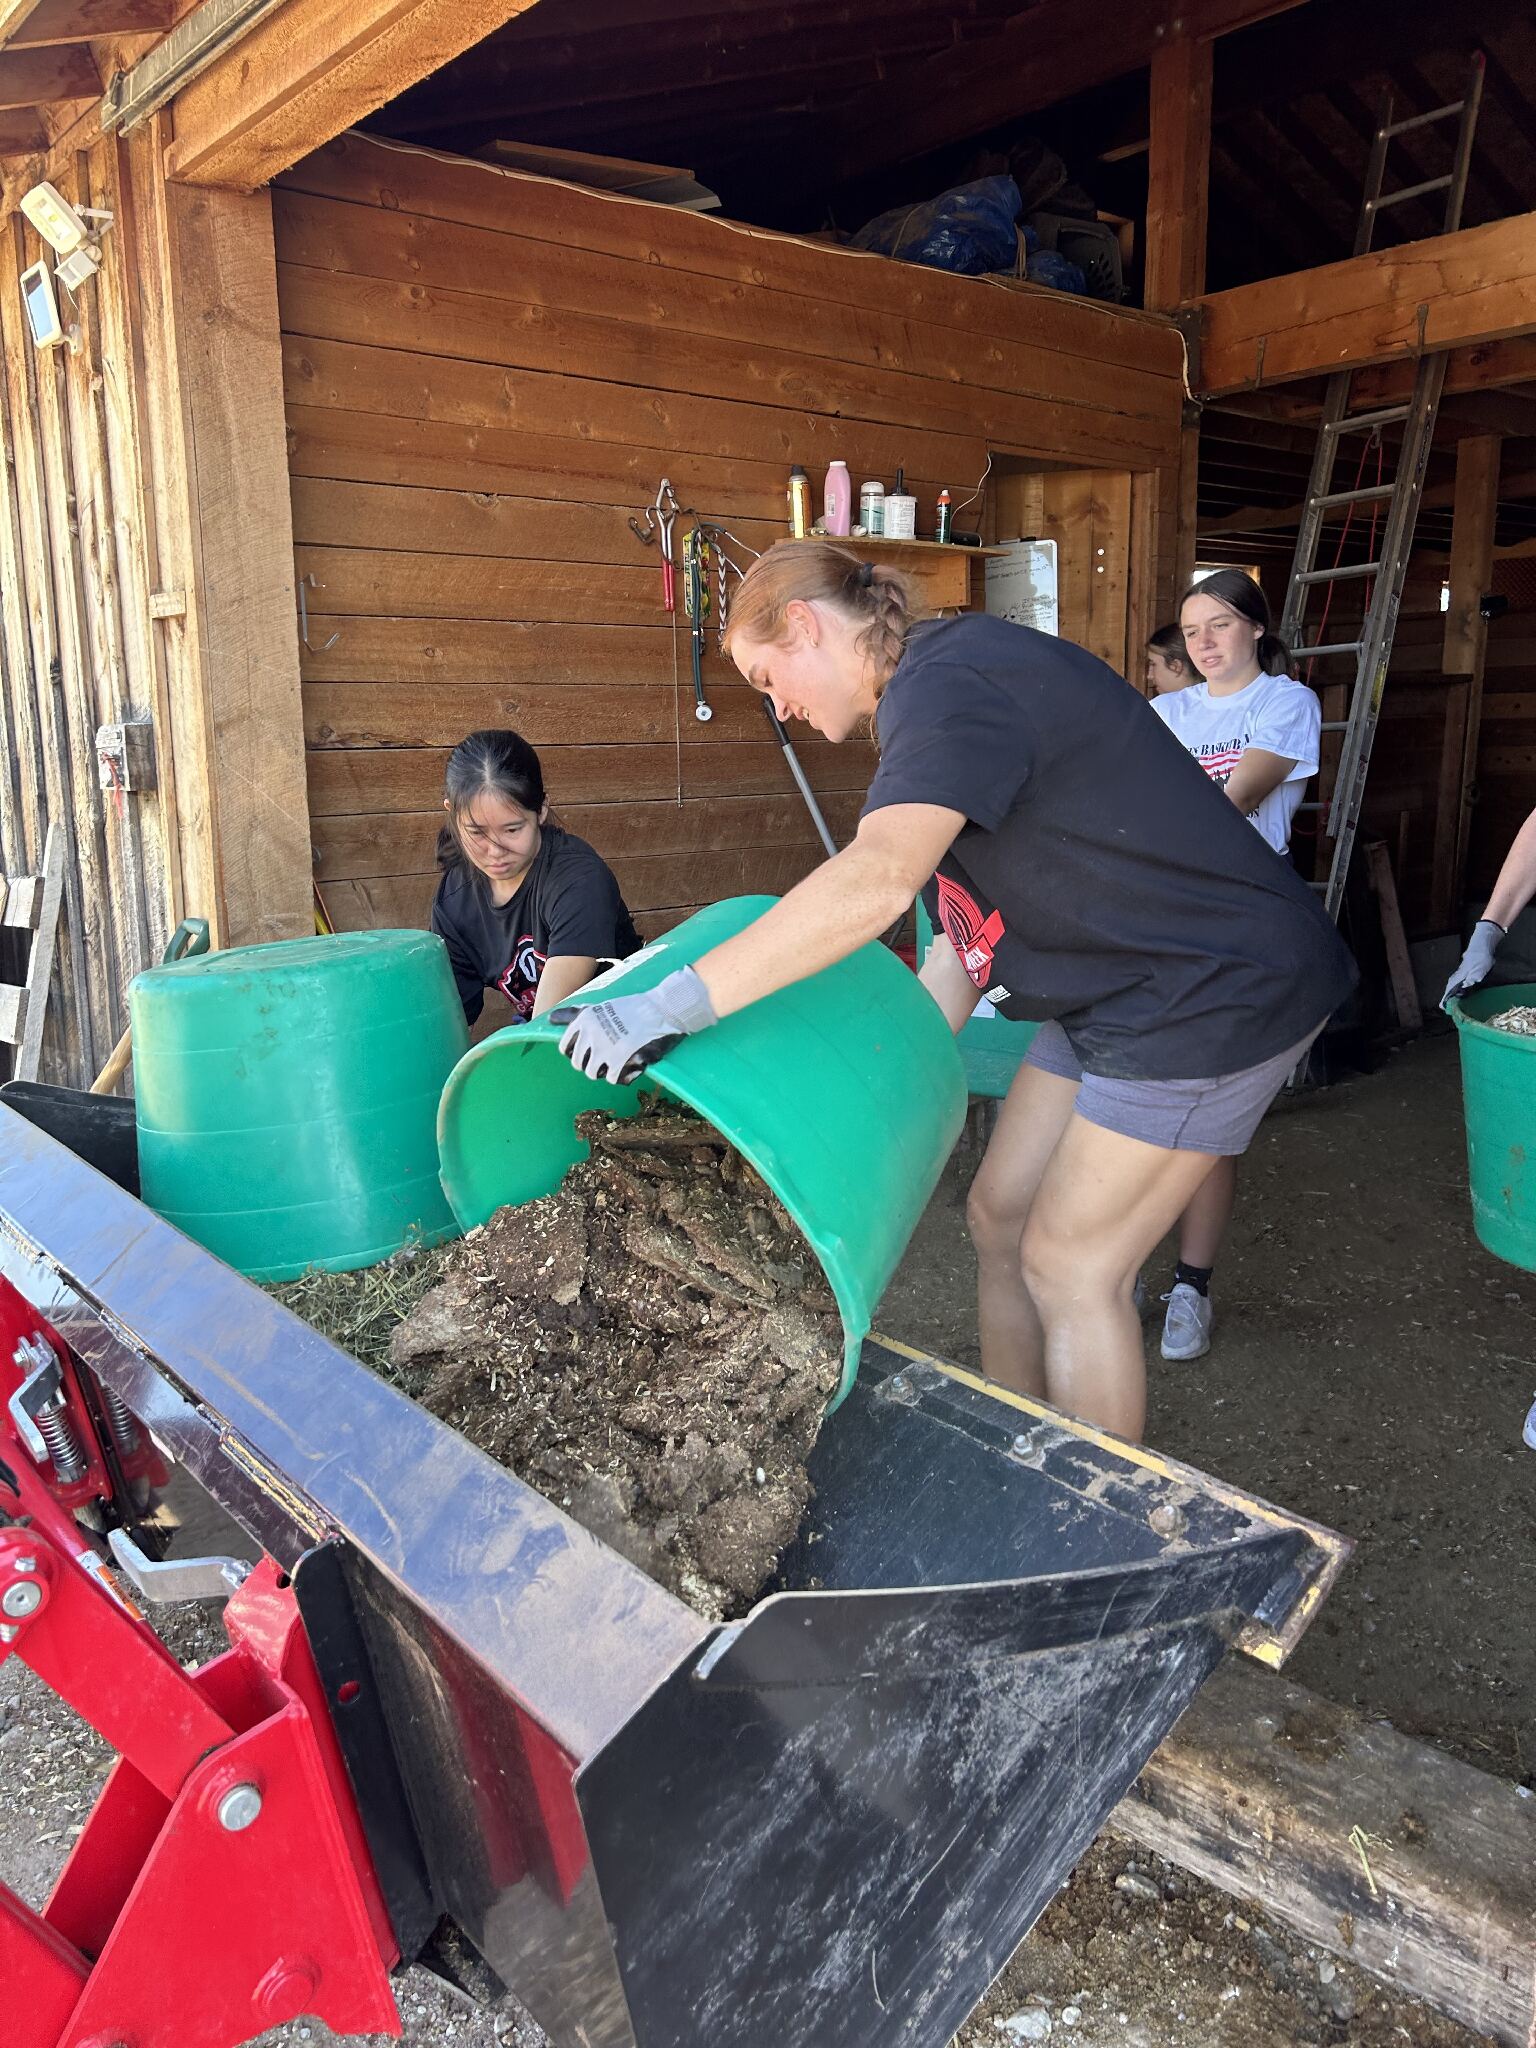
[1476,961]
[616,1041]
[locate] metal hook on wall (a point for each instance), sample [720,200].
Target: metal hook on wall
[304,618]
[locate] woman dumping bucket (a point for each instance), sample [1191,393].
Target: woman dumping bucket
[1086,874]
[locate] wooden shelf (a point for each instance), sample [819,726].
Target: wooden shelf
[884,540]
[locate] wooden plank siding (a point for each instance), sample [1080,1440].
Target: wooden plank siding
[487,374]
[74,653]
[146,577]
[1416,765]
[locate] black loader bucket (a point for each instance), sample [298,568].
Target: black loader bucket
[826,1826]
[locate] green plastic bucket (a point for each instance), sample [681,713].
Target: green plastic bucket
[992,1048]
[844,1091]
[1498,1086]
[287,1098]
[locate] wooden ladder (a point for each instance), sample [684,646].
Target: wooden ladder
[1388,566]
[29,905]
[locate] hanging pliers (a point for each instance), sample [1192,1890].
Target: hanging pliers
[659,520]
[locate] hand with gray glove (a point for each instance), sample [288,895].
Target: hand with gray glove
[617,1040]
[1476,962]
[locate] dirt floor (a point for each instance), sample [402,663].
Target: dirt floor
[1372,1368]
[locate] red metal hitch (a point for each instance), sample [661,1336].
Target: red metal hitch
[221,1883]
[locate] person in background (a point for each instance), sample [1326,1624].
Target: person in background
[1168,666]
[523,905]
[1256,732]
[1178,969]
[1512,891]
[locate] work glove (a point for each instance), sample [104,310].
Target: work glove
[616,1041]
[1476,961]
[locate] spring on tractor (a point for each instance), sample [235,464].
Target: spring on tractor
[125,1430]
[57,1432]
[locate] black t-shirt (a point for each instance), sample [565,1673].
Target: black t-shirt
[1102,878]
[568,903]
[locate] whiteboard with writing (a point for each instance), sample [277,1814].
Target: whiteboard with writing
[1021,585]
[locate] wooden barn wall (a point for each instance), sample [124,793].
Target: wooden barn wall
[486,376]
[146,565]
[77,648]
[1413,795]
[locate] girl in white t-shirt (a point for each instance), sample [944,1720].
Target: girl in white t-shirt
[1255,730]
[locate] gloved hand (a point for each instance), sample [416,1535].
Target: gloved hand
[1476,961]
[616,1041]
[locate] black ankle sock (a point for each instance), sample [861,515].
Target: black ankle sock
[1198,1277]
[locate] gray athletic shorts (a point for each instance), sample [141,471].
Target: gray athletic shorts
[1217,1115]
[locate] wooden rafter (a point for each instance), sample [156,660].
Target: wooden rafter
[1450,291]
[84,21]
[41,77]
[1041,57]
[310,71]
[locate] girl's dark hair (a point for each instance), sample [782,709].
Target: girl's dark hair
[495,762]
[1168,641]
[1232,587]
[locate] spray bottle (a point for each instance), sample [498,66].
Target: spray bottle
[799,503]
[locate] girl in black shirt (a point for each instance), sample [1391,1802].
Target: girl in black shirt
[523,906]
[1086,873]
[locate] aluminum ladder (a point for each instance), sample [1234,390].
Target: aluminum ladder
[1389,566]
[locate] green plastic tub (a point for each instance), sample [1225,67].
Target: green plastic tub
[287,1098]
[1498,1085]
[845,1092]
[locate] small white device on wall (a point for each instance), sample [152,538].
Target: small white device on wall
[46,328]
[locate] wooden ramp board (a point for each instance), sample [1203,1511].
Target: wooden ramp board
[1408,1862]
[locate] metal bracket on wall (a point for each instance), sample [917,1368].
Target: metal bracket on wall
[195,42]
[304,619]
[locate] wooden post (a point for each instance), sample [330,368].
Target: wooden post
[1178,174]
[220,275]
[1475,509]
[1406,1862]
[1178,189]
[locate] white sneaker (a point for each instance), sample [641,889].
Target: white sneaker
[1187,1325]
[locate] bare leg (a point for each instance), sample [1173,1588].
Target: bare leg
[1035,1112]
[1103,1203]
[1204,1223]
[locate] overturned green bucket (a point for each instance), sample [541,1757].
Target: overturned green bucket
[844,1091]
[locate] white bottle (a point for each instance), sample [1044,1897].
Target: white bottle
[900,511]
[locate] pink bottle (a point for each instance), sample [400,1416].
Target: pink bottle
[837,502]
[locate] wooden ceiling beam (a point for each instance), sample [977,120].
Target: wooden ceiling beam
[1451,291]
[310,71]
[22,132]
[1042,56]
[35,78]
[84,21]
[13,13]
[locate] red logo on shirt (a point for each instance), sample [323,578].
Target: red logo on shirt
[519,982]
[973,937]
